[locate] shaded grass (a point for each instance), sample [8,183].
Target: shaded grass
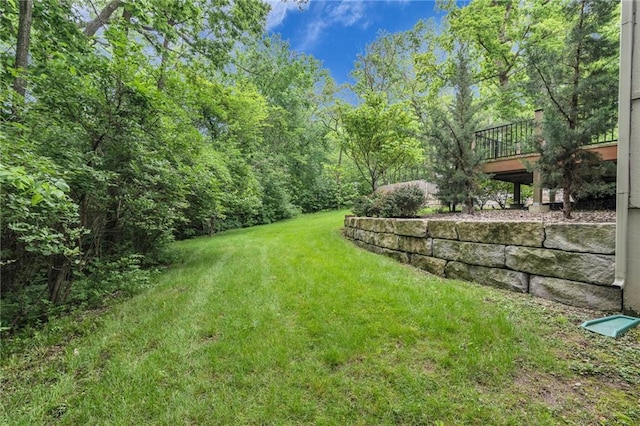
[291,324]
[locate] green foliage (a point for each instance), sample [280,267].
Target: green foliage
[40,226]
[38,212]
[404,201]
[380,137]
[105,278]
[495,32]
[368,205]
[577,78]
[289,164]
[457,166]
[328,191]
[276,197]
[387,65]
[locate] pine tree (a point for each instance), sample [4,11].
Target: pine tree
[578,80]
[456,164]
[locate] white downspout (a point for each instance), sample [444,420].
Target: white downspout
[624,135]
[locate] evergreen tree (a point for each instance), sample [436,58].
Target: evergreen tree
[456,164]
[578,82]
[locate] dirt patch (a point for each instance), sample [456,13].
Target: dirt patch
[577,400]
[599,216]
[552,391]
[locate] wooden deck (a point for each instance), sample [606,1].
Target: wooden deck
[514,168]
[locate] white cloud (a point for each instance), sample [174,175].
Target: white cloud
[312,34]
[278,13]
[345,13]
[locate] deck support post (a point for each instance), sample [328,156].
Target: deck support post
[537,206]
[517,194]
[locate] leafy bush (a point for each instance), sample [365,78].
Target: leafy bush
[362,206]
[40,229]
[106,278]
[404,201]
[326,194]
[368,205]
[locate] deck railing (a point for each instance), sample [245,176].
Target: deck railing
[506,141]
[609,136]
[500,142]
[517,138]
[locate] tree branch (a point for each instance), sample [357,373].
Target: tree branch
[550,93]
[102,19]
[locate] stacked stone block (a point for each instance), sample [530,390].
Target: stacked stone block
[568,263]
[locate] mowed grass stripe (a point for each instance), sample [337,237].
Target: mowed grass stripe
[291,324]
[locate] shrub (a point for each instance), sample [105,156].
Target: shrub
[404,201]
[368,205]
[106,278]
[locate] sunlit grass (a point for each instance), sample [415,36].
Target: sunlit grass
[291,324]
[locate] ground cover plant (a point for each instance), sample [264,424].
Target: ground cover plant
[289,323]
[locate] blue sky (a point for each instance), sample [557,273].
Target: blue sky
[335,31]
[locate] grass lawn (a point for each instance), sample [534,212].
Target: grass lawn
[291,324]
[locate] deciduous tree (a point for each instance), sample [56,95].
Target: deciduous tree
[380,137]
[497,31]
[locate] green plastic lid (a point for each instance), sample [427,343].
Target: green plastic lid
[612,326]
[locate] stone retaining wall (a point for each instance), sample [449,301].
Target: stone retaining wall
[568,263]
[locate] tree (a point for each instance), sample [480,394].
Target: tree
[123,144]
[494,190]
[195,27]
[388,66]
[577,80]
[387,63]
[497,31]
[338,175]
[22,45]
[380,137]
[294,148]
[456,162]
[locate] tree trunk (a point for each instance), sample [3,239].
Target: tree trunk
[58,278]
[566,202]
[164,58]
[467,207]
[22,45]
[374,180]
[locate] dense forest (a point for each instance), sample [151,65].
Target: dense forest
[127,124]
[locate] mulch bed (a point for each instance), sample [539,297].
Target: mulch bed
[593,216]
